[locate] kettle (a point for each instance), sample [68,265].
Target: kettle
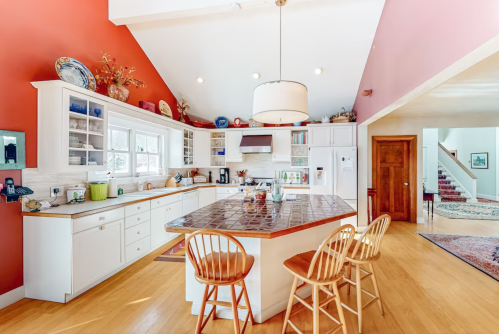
[325,119]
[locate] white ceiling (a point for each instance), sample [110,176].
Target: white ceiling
[475,90]
[226,48]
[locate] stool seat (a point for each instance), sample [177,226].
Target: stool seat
[356,257]
[299,265]
[218,273]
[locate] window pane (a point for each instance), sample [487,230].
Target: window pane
[109,139]
[153,163]
[141,142]
[122,162]
[119,140]
[141,162]
[152,144]
[110,162]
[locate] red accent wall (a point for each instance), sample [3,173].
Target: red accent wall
[34,34]
[417,39]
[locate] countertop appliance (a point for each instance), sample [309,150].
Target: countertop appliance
[224,175]
[186,181]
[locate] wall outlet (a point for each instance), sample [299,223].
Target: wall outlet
[53,191]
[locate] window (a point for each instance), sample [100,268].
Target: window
[147,152]
[118,154]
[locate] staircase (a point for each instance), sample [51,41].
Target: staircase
[448,191]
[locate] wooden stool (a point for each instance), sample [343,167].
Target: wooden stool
[220,268]
[366,251]
[321,268]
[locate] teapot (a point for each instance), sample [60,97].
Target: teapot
[325,119]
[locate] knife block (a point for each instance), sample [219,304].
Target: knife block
[172,183]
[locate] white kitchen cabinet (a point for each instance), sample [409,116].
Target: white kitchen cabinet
[175,211]
[207,196]
[342,136]
[67,120]
[232,153]
[181,148]
[202,149]
[281,147]
[320,136]
[224,192]
[159,217]
[96,252]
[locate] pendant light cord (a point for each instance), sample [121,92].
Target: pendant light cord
[280,43]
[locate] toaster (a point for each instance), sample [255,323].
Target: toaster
[186,181]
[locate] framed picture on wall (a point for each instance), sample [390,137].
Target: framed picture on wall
[480,160]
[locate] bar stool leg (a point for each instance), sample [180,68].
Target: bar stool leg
[290,304]
[315,294]
[376,288]
[349,275]
[246,300]
[234,309]
[340,308]
[215,296]
[201,311]
[359,295]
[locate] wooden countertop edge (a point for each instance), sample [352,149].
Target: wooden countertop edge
[268,235]
[107,208]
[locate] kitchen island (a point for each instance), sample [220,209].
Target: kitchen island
[271,232]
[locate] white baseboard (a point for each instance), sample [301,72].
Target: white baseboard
[493,198]
[420,220]
[11,297]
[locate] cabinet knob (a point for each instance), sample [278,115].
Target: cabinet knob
[138,232]
[138,248]
[138,218]
[138,208]
[158,202]
[102,218]
[101,227]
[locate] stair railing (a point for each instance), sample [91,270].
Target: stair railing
[462,175]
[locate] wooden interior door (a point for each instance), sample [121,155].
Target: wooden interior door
[394,175]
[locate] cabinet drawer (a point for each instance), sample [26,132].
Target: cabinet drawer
[137,249]
[85,223]
[227,190]
[137,232]
[137,219]
[137,208]
[162,201]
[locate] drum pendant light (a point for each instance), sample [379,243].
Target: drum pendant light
[280,101]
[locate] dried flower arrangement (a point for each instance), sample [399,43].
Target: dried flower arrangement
[182,107]
[112,74]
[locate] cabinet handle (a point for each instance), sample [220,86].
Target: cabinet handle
[102,218]
[138,208]
[101,227]
[138,248]
[138,219]
[138,232]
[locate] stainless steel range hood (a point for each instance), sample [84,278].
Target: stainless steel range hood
[256,144]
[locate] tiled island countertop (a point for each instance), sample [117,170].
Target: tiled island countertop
[266,219]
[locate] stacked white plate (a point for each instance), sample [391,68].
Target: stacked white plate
[75,160]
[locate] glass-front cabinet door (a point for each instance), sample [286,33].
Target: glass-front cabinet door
[188,148]
[84,132]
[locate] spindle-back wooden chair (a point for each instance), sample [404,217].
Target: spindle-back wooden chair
[320,269]
[219,259]
[366,251]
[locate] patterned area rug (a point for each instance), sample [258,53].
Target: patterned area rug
[474,211]
[174,254]
[480,252]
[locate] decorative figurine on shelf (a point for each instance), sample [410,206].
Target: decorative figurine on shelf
[344,116]
[117,78]
[160,171]
[182,107]
[305,177]
[237,122]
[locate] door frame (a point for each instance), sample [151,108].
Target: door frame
[413,171]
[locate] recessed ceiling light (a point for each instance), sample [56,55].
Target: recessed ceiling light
[318,70]
[256,75]
[200,80]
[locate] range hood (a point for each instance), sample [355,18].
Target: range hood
[256,144]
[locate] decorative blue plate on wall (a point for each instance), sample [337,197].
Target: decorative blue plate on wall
[74,72]
[221,122]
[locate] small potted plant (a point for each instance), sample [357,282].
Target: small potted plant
[117,78]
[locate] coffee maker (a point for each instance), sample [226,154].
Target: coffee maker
[224,175]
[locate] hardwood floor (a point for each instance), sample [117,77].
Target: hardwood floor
[424,290]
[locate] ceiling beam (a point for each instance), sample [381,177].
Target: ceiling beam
[124,12]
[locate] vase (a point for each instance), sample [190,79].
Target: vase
[118,92]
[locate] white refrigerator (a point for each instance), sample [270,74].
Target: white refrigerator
[333,171]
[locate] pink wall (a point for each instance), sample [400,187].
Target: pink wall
[415,40]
